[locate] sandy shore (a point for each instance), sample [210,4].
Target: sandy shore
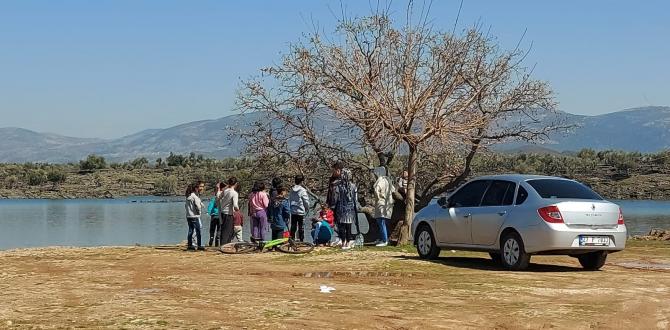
[146,287]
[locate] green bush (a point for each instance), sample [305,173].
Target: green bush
[36,177]
[56,176]
[139,163]
[166,186]
[93,162]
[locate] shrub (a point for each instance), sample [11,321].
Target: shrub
[36,177]
[11,182]
[56,177]
[176,160]
[139,163]
[126,180]
[166,186]
[93,162]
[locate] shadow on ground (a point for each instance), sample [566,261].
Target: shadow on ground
[490,265]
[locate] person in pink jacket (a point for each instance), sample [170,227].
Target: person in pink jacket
[258,204]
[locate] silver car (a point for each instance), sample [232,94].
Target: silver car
[515,216]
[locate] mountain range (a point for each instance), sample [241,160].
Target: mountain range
[645,129]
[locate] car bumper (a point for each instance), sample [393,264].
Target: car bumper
[563,239]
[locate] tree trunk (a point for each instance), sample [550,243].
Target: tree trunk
[409,198]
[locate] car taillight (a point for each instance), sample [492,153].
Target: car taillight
[620,221]
[551,214]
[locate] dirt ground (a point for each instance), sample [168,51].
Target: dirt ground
[146,287]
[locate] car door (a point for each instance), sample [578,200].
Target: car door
[493,210]
[453,224]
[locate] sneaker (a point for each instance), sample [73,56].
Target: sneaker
[201,248]
[338,242]
[345,247]
[350,244]
[190,248]
[382,244]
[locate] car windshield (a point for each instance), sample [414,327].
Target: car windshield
[556,188]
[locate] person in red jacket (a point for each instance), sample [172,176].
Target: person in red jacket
[238,222]
[327,214]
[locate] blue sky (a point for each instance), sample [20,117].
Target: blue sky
[110,68]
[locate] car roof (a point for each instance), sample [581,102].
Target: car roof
[517,177]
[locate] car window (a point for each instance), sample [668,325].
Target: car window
[557,188]
[470,195]
[509,195]
[521,196]
[498,192]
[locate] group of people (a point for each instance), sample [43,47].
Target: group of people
[281,212]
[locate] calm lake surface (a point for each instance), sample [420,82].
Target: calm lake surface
[154,221]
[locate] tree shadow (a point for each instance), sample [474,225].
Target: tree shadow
[489,265]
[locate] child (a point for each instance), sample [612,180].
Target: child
[281,213]
[215,216]
[327,214]
[258,205]
[238,222]
[299,199]
[194,208]
[322,232]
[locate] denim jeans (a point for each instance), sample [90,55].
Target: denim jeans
[194,225]
[382,229]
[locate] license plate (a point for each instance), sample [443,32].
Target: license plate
[594,241]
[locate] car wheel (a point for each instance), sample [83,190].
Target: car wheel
[593,260]
[425,243]
[513,253]
[496,257]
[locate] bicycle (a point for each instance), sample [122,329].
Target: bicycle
[286,245]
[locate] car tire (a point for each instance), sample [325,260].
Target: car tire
[496,257]
[426,245]
[513,253]
[593,260]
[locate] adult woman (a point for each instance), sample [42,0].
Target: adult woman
[343,201]
[384,201]
[228,204]
[258,204]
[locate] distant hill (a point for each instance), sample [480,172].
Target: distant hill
[207,137]
[644,129]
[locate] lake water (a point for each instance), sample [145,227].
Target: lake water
[155,221]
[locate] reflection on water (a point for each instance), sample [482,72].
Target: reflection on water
[152,221]
[642,216]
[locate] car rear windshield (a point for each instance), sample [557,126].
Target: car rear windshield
[554,188]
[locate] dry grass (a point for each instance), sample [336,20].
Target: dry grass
[142,287]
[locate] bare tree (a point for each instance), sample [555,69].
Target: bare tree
[436,97]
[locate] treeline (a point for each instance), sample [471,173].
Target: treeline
[138,176]
[587,162]
[168,176]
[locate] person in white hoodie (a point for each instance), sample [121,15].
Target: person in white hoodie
[299,200]
[228,205]
[383,206]
[194,207]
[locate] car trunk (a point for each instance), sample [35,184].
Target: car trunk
[589,213]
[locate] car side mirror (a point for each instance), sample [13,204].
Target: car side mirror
[443,202]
